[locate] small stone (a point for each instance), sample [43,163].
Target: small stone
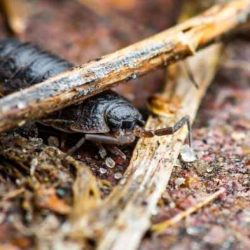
[18,181]
[21,123]
[238,136]
[187,154]
[118,176]
[210,169]
[21,105]
[133,76]
[102,152]
[172,205]
[110,162]
[103,170]
[194,230]
[123,181]
[179,181]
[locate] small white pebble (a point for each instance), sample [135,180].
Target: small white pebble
[210,169]
[21,123]
[118,175]
[18,181]
[238,136]
[123,181]
[102,152]
[21,105]
[172,204]
[110,162]
[103,170]
[179,181]
[187,154]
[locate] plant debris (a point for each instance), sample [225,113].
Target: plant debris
[50,200]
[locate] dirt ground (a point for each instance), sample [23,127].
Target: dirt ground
[221,134]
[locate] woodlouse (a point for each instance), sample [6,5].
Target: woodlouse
[105,118]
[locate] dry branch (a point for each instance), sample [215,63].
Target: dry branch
[162,49]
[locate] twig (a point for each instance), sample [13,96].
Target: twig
[164,48]
[162,226]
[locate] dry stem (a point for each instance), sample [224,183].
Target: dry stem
[162,49]
[162,226]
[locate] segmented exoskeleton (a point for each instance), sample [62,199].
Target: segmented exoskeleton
[105,118]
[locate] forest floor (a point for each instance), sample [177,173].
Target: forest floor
[221,135]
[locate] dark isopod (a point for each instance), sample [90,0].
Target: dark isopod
[105,118]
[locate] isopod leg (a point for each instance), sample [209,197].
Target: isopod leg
[107,139]
[76,146]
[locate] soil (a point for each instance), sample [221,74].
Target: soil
[32,193]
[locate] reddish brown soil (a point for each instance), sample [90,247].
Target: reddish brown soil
[221,133]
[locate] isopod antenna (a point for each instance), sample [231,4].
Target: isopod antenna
[185,120]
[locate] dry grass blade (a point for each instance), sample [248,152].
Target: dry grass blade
[162,49]
[162,226]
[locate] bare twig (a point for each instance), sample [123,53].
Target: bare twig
[162,49]
[162,226]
